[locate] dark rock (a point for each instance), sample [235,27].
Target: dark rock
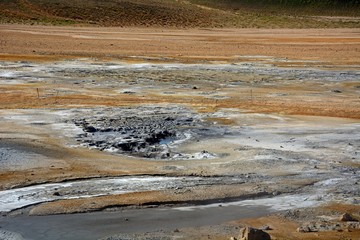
[347,218]
[165,155]
[129,92]
[89,129]
[249,233]
[126,146]
[107,130]
[152,139]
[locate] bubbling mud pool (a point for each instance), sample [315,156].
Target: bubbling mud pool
[148,131]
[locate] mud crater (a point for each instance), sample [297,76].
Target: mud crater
[149,132]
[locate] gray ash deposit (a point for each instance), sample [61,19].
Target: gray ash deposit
[147,132]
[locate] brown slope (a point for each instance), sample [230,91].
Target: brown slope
[169,13]
[111,13]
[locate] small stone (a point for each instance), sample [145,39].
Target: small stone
[275,193]
[249,233]
[303,229]
[89,129]
[347,218]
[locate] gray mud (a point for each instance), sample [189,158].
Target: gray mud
[138,78]
[102,224]
[146,132]
[7,235]
[15,154]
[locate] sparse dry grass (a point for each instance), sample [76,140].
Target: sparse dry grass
[179,14]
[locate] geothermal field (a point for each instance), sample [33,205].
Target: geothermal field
[148,133]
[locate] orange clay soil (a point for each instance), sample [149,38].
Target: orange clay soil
[326,47]
[348,106]
[332,46]
[284,229]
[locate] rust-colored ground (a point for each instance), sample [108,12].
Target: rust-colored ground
[317,48]
[283,229]
[332,46]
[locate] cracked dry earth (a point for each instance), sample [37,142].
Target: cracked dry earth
[171,150]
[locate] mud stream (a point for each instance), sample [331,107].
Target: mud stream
[21,197]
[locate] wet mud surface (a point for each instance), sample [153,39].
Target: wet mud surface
[27,196]
[127,222]
[147,132]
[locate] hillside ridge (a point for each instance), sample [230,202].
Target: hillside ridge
[184,13]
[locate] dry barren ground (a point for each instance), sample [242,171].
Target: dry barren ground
[184,13]
[326,46]
[111,118]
